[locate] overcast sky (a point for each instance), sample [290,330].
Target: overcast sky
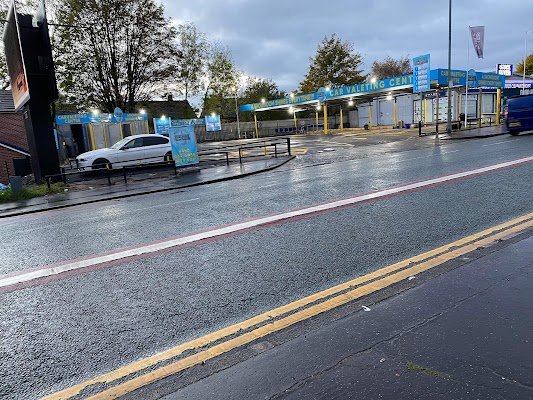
[275,38]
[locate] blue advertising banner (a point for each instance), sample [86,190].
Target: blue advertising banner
[87,118]
[483,79]
[162,125]
[343,91]
[212,123]
[191,121]
[421,72]
[183,141]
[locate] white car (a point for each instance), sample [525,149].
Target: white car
[130,151]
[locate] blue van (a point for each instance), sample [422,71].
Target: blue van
[519,114]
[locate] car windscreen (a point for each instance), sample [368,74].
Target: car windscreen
[120,143]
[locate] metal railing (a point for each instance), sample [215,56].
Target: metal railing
[216,156]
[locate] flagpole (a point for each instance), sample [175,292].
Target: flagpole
[467,66]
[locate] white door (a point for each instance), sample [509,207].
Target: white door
[132,153]
[155,148]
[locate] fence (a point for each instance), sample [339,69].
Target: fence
[216,156]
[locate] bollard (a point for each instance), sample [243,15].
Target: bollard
[124,173]
[108,177]
[289,146]
[240,155]
[227,158]
[419,128]
[275,150]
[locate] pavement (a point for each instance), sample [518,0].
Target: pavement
[473,343]
[94,192]
[91,193]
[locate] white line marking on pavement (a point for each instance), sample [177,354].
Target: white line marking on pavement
[505,141]
[242,226]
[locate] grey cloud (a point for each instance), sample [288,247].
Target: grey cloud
[274,39]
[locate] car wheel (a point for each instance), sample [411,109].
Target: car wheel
[101,163]
[514,132]
[168,156]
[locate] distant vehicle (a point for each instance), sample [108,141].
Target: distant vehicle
[130,151]
[519,114]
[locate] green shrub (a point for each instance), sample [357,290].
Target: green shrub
[29,192]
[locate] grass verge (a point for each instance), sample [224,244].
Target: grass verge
[29,192]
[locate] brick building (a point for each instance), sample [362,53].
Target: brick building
[14,152]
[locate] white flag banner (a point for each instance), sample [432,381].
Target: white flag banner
[478,39]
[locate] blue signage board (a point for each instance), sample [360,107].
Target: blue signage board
[421,74]
[340,92]
[183,142]
[321,94]
[458,77]
[162,125]
[87,118]
[212,123]
[190,121]
[471,78]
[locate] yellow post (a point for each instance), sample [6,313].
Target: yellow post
[121,132]
[395,113]
[498,105]
[370,116]
[425,110]
[147,127]
[325,119]
[256,130]
[342,123]
[91,134]
[105,135]
[295,122]
[316,126]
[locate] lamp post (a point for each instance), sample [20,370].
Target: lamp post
[525,58]
[449,111]
[237,113]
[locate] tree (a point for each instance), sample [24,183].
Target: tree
[335,64]
[221,77]
[390,67]
[113,53]
[192,48]
[260,88]
[529,66]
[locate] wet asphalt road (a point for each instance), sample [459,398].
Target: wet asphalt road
[70,330]
[473,343]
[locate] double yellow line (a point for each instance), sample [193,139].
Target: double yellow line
[287,315]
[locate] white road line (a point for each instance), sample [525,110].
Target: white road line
[494,144]
[179,241]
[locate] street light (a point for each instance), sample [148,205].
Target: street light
[237,113]
[525,58]
[449,111]
[142,111]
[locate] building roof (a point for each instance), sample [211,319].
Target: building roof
[171,108]
[6,102]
